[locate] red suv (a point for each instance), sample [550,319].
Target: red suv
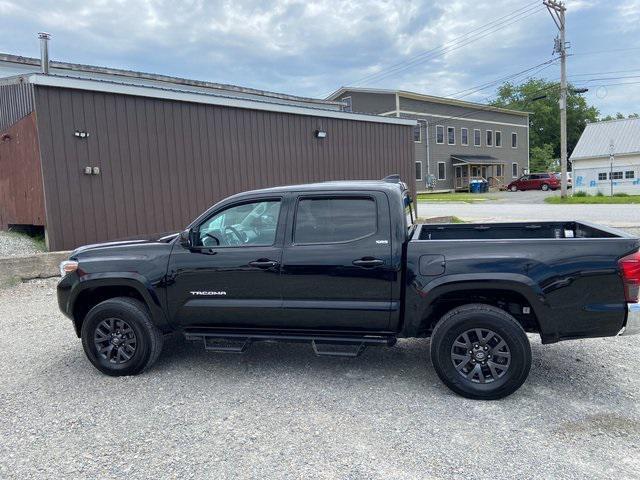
[535,181]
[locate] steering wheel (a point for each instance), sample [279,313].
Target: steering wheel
[208,235]
[236,233]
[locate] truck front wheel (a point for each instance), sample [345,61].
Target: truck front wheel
[119,338]
[480,352]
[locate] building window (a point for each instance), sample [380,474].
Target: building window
[451,135]
[439,134]
[514,140]
[615,176]
[476,137]
[464,136]
[332,220]
[489,138]
[348,106]
[418,170]
[514,170]
[629,174]
[417,133]
[442,171]
[602,176]
[498,138]
[499,171]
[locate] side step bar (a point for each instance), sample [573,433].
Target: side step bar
[323,345]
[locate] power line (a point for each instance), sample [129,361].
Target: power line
[443,51]
[420,55]
[616,84]
[598,52]
[604,73]
[609,78]
[484,86]
[444,48]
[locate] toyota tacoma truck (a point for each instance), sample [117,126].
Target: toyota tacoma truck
[343,266]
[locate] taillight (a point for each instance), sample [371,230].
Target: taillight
[630,268]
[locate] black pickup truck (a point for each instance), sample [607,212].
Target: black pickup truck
[343,266]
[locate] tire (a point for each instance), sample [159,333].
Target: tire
[128,322]
[514,189]
[544,187]
[506,365]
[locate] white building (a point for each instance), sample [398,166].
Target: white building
[591,159]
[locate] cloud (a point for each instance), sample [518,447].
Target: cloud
[311,47]
[629,13]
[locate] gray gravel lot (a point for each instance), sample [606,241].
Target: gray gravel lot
[280,412]
[12,243]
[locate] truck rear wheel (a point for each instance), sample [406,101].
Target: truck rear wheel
[480,352]
[119,338]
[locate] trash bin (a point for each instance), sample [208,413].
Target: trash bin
[475,186]
[485,186]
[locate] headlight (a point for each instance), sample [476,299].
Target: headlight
[68,266]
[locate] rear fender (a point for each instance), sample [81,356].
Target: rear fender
[427,295]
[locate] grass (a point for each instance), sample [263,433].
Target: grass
[455,197]
[582,197]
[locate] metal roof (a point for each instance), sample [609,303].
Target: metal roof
[476,160]
[18,65]
[597,137]
[427,98]
[182,95]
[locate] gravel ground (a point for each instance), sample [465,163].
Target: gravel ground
[280,412]
[13,244]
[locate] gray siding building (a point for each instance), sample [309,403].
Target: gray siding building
[455,141]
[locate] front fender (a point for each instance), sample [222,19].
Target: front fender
[70,288]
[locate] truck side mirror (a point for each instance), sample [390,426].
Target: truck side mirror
[185,238]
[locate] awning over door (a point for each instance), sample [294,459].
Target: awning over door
[475,160]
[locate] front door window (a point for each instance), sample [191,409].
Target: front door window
[250,224]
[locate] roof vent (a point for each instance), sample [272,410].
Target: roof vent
[44,51]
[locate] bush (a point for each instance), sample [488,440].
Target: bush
[599,194]
[621,194]
[581,194]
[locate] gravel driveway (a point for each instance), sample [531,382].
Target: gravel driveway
[280,412]
[12,243]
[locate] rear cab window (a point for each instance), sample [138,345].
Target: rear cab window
[329,219]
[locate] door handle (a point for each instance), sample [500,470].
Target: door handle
[368,262]
[263,263]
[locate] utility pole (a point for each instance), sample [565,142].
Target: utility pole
[611,159]
[557,11]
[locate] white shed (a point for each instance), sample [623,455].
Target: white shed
[592,168]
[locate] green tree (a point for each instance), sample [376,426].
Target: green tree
[541,158]
[618,116]
[541,98]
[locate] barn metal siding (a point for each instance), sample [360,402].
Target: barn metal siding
[16,102]
[21,195]
[163,162]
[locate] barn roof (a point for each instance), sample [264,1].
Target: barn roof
[597,138]
[181,94]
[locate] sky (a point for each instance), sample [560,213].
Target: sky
[311,48]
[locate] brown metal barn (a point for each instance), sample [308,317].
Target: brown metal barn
[94,159]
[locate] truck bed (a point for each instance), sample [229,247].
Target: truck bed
[566,273]
[518,230]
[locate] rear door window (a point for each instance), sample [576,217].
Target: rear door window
[334,220]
